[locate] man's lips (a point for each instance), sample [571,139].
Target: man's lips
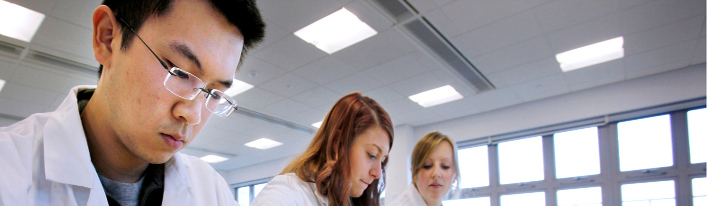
[174,142]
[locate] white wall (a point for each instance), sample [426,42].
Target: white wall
[4,122]
[669,87]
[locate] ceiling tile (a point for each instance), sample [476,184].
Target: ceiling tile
[325,70]
[79,12]
[294,15]
[286,107]
[256,98]
[288,85]
[402,68]
[255,71]
[428,5]
[560,14]
[65,37]
[41,79]
[359,82]
[28,94]
[472,14]
[318,97]
[290,53]
[577,86]
[309,117]
[527,72]
[273,33]
[513,56]
[657,13]
[417,84]
[699,57]
[384,95]
[542,88]
[440,21]
[662,36]
[6,69]
[583,34]
[655,69]
[369,15]
[646,63]
[495,99]
[495,36]
[414,117]
[400,106]
[384,46]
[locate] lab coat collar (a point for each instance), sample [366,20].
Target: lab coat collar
[66,156]
[177,185]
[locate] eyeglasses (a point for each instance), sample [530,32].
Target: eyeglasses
[187,86]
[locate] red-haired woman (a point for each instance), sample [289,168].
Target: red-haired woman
[343,165]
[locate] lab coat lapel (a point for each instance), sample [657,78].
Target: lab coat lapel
[177,186]
[66,156]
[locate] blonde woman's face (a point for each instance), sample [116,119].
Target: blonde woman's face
[435,177]
[367,153]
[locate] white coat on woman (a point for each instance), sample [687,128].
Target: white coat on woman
[288,189]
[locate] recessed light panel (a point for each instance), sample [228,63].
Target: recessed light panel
[213,158]
[263,143]
[591,54]
[2,84]
[19,22]
[436,96]
[336,31]
[237,87]
[317,124]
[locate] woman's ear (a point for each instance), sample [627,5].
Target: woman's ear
[105,32]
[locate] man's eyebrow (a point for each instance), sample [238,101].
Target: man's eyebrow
[185,51]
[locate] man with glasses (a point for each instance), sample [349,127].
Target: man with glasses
[165,65]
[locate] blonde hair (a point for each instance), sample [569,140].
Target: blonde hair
[326,160]
[423,149]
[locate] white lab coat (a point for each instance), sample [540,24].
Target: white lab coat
[411,197]
[44,160]
[288,189]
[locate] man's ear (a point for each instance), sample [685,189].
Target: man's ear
[105,32]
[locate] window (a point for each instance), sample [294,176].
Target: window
[648,194]
[257,188]
[474,167]
[696,121]
[243,195]
[521,160]
[479,201]
[526,199]
[583,196]
[699,191]
[577,153]
[645,143]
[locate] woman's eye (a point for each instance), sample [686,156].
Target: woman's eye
[371,156]
[446,167]
[426,167]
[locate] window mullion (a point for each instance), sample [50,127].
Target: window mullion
[681,157]
[609,162]
[549,170]
[494,176]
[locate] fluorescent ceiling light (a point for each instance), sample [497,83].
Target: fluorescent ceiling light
[237,87]
[318,124]
[336,31]
[591,54]
[436,96]
[19,22]
[2,84]
[263,143]
[213,158]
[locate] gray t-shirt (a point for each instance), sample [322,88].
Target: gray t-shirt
[127,194]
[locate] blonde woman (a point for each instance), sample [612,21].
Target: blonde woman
[343,165]
[435,170]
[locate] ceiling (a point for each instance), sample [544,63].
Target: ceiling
[511,42]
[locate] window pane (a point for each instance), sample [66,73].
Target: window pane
[648,194]
[696,121]
[257,188]
[577,153]
[244,196]
[645,143]
[527,199]
[479,201]
[699,191]
[474,167]
[521,160]
[583,196]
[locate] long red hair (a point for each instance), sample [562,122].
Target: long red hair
[326,160]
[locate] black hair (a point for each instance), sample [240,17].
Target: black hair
[243,14]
